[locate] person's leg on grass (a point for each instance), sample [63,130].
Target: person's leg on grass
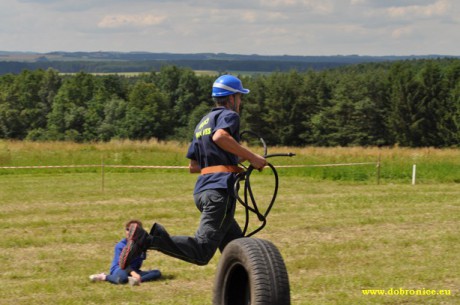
[118,277]
[150,275]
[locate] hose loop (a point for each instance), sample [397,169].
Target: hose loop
[248,201]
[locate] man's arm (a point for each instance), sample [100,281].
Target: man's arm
[225,141]
[194,167]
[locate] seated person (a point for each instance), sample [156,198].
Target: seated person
[132,275]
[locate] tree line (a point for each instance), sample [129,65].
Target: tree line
[111,62]
[414,103]
[74,66]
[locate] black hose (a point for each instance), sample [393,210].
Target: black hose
[248,190]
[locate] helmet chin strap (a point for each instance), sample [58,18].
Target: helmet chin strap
[233,106]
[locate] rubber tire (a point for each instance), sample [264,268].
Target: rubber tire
[251,271]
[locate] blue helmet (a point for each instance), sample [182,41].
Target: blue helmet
[227,85]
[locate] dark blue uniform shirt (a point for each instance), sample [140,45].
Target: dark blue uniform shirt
[207,153]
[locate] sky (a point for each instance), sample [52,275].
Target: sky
[263,27]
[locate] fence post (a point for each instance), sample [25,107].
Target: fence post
[414,168]
[102,173]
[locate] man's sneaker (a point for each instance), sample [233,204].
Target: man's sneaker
[133,281]
[97,277]
[136,244]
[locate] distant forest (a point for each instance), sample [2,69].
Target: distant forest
[413,103]
[111,62]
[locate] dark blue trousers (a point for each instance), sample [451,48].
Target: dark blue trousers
[120,276]
[217,228]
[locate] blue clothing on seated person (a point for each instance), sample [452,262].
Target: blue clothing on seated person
[120,276]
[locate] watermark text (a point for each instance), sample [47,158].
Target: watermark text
[407,292]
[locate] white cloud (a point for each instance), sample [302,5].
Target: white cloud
[120,21]
[250,17]
[357,2]
[438,8]
[402,32]
[315,6]
[301,27]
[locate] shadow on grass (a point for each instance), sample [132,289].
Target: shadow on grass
[165,277]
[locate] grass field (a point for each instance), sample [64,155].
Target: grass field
[338,237]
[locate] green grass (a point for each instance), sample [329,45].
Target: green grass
[337,237]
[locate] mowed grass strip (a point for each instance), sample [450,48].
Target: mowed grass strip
[336,238]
